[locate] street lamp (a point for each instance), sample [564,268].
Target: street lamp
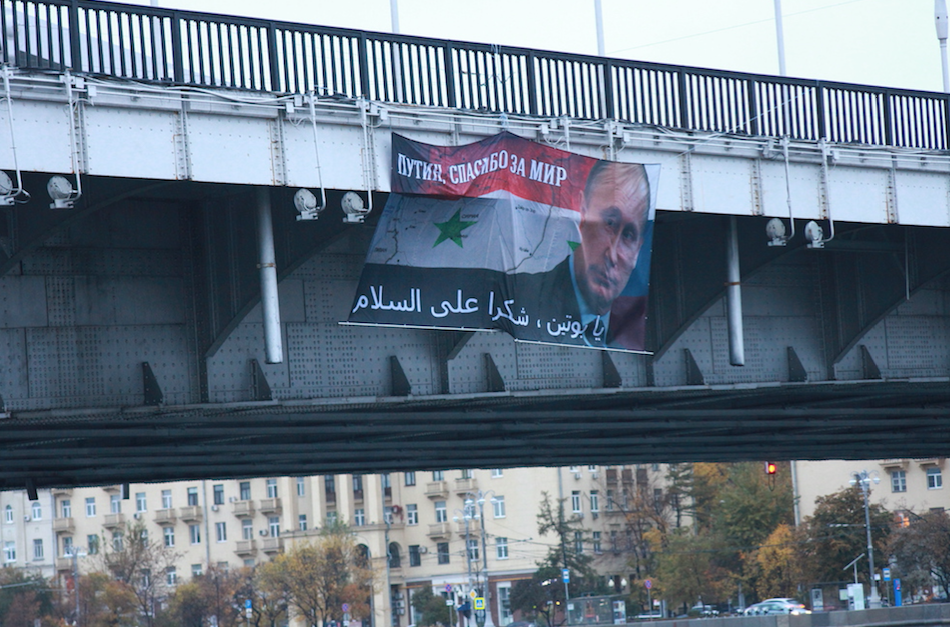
[75,553]
[467,514]
[940,21]
[470,499]
[864,479]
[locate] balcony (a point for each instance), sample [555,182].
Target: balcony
[192,513]
[112,489]
[64,525]
[330,497]
[437,490]
[246,547]
[474,526]
[242,509]
[893,463]
[272,545]
[465,485]
[64,564]
[270,506]
[440,531]
[114,520]
[165,516]
[627,475]
[61,491]
[611,475]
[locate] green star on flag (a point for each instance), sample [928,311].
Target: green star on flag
[452,229]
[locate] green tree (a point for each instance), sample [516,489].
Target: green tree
[835,535]
[320,576]
[570,534]
[430,608]
[922,551]
[270,600]
[688,569]
[23,598]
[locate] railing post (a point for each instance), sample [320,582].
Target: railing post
[753,104]
[177,53]
[364,66]
[820,110]
[75,39]
[272,58]
[449,52]
[532,85]
[608,86]
[683,109]
[888,128]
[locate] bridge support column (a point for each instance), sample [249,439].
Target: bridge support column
[734,296]
[270,305]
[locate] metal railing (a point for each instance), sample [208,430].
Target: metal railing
[201,49]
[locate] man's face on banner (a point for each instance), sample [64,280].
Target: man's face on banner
[613,217]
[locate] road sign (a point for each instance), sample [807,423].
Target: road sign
[346,607]
[648,583]
[887,574]
[473,594]
[566,575]
[479,603]
[247,604]
[448,587]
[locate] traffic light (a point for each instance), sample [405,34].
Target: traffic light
[770,468]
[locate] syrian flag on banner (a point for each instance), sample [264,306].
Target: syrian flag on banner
[547,245]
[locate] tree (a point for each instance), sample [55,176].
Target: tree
[270,600]
[103,602]
[922,551]
[430,608]
[23,598]
[571,535]
[777,564]
[319,577]
[541,596]
[835,534]
[688,569]
[141,564]
[212,594]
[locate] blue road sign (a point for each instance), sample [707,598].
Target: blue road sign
[566,575]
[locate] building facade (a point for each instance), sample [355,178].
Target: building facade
[448,530]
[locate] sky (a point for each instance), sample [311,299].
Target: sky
[890,43]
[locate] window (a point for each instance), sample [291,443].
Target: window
[115,504]
[415,557]
[221,532]
[472,550]
[359,517]
[301,486]
[442,550]
[9,552]
[302,522]
[90,507]
[575,469]
[247,529]
[329,487]
[169,534]
[655,467]
[595,543]
[578,542]
[68,546]
[194,533]
[386,482]
[140,504]
[37,549]
[166,499]
[898,481]
[388,515]
[36,511]
[249,562]
[934,479]
[8,514]
[273,526]
[466,474]
[358,487]
[592,468]
[171,577]
[192,496]
[272,488]
[117,538]
[92,544]
[438,475]
[504,604]
[576,501]
[410,478]
[440,513]
[245,490]
[610,500]
[217,493]
[498,506]
[412,514]
[594,501]
[501,548]
[196,570]
[331,519]
[65,508]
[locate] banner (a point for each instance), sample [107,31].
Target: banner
[509,234]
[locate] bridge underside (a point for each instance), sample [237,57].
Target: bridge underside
[131,350]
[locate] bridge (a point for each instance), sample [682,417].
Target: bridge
[131,327]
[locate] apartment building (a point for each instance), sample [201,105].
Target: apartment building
[914,485]
[443,529]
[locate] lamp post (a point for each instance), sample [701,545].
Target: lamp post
[864,480]
[940,21]
[481,511]
[467,515]
[75,553]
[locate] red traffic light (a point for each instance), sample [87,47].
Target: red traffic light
[770,468]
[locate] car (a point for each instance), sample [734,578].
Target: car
[776,606]
[704,611]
